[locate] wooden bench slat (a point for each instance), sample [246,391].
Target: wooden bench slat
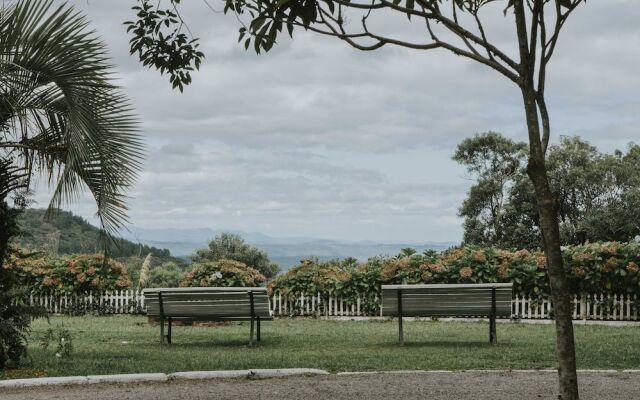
[449,299]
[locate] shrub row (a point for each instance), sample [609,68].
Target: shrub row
[594,268]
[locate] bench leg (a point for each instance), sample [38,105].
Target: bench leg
[161,330]
[400,332]
[251,333]
[169,331]
[493,338]
[258,329]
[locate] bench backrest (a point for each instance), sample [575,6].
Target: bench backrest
[231,303]
[463,300]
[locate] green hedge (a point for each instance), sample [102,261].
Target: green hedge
[594,268]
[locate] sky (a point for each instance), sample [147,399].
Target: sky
[317,139]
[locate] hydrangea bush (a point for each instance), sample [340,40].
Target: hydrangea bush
[223,273]
[82,273]
[594,268]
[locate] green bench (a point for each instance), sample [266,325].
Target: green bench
[208,304]
[457,300]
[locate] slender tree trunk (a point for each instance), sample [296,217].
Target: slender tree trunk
[536,169]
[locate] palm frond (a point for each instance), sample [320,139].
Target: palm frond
[60,113]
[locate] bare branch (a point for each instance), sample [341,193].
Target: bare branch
[546,127]
[482,34]
[457,29]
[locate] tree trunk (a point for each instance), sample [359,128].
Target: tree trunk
[536,169]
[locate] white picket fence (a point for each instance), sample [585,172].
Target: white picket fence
[593,307]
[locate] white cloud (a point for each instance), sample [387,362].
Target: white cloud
[319,139]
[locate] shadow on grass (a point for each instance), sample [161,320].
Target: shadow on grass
[186,343]
[447,344]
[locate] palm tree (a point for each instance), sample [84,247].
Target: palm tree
[61,117]
[60,114]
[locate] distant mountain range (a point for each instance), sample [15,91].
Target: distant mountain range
[286,251]
[66,233]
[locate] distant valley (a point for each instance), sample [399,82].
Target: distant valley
[286,251]
[65,233]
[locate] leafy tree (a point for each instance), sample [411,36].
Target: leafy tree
[168,274]
[407,252]
[61,116]
[160,44]
[495,160]
[596,193]
[456,26]
[229,246]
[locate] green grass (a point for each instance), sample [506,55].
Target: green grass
[332,345]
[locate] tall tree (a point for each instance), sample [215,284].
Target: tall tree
[459,27]
[596,193]
[495,161]
[60,116]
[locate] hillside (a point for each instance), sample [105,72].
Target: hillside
[65,233]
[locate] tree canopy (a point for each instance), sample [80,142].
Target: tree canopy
[597,194]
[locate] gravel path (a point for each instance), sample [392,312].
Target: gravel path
[463,385]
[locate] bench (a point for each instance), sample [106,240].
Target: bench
[457,300]
[208,304]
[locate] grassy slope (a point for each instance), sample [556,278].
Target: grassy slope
[331,345]
[65,233]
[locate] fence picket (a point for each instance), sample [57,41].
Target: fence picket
[586,306]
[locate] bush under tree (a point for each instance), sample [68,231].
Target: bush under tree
[222,273]
[229,246]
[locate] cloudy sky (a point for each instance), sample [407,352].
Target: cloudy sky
[317,139]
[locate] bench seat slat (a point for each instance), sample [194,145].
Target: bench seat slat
[208,303]
[447,300]
[449,297]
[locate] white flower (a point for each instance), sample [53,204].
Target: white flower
[58,355]
[216,275]
[62,340]
[124,342]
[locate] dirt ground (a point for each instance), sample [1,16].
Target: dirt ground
[444,386]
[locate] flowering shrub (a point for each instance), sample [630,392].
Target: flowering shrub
[224,273]
[594,268]
[72,274]
[311,277]
[346,278]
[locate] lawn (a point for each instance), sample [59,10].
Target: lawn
[128,344]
